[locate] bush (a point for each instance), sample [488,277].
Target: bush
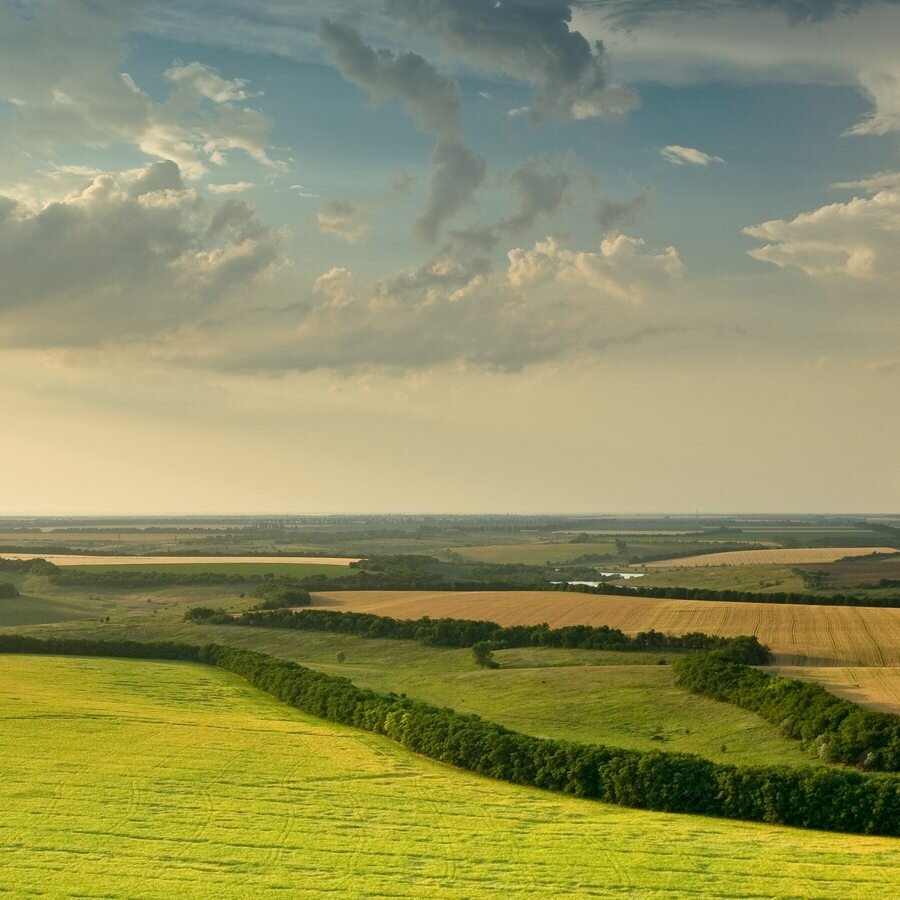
[8,591]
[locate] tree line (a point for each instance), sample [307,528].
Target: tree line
[823,798]
[837,730]
[688,593]
[468,632]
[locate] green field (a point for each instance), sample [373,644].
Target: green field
[566,552]
[616,698]
[150,779]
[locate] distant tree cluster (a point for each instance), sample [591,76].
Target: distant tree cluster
[8,591]
[823,798]
[837,730]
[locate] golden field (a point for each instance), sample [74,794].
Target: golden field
[797,635]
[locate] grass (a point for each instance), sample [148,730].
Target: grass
[564,552]
[616,698]
[146,779]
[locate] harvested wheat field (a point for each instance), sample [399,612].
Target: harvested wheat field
[798,635]
[873,687]
[782,557]
[79,560]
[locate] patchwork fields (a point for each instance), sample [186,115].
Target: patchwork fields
[148,779]
[798,635]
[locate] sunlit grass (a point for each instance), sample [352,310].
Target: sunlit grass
[145,779]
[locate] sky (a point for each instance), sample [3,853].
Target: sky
[487,256]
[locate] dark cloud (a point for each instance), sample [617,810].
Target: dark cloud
[632,12]
[528,40]
[429,97]
[540,187]
[614,215]
[459,173]
[432,100]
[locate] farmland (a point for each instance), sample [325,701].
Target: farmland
[784,557]
[279,801]
[608,697]
[190,563]
[799,635]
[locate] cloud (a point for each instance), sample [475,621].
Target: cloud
[206,82]
[344,220]
[631,12]
[859,238]
[125,257]
[429,97]
[540,187]
[301,191]
[680,156]
[62,69]
[614,215]
[883,89]
[529,41]
[451,189]
[235,187]
[872,183]
[432,100]
[335,286]
[551,303]
[621,269]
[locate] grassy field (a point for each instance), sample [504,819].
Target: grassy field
[147,779]
[783,557]
[798,635]
[539,553]
[621,699]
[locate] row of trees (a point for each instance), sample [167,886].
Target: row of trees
[687,593]
[837,730]
[468,632]
[833,799]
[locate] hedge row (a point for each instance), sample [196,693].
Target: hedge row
[468,632]
[838,730]
[832,799]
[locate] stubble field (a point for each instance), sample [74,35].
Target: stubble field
[797,635]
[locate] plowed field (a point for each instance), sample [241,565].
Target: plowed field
[798,635]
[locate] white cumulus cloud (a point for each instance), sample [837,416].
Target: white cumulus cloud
[681,156]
